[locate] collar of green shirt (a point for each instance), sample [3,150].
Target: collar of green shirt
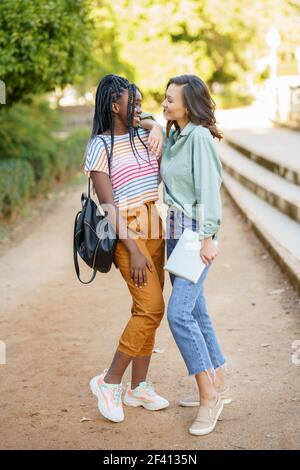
[187,129]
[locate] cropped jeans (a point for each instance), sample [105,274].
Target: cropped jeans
[187,313]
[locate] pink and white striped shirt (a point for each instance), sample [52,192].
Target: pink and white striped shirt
[134,179]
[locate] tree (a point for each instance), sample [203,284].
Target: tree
[106,51]
[221,41]
[43,44]
[161,39]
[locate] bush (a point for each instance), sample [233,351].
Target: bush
[230,99]
[25,133]
[44,44]
[32,156]
[16,186]
[71,152]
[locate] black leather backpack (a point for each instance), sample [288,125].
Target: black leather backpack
[94,238]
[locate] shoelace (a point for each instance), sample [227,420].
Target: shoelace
[117,393]
[148,387]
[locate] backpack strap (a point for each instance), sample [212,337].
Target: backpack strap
[75,256]
[108,163]
[107,152]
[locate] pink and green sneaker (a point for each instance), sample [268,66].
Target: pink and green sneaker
[144,395]
[109,398]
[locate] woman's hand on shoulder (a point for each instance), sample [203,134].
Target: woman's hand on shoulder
[156,140]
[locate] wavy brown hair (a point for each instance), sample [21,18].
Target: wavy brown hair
[200,105]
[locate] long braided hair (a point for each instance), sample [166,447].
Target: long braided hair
[109,90]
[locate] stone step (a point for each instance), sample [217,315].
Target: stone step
[276,190]
[279,233]
[278,150]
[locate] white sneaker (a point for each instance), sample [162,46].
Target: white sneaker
[144,395]
[109,398]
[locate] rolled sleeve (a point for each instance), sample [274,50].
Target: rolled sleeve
[207,178]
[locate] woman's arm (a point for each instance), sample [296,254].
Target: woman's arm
[156,136]
[207,175]
[139,262]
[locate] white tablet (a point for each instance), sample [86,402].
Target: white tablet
[185,260]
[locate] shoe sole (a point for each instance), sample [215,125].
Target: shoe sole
[147,406]
[203,432]
[191,404]
[94,389]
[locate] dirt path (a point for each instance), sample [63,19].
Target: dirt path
[59,333]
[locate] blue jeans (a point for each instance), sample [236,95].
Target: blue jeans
[188,317]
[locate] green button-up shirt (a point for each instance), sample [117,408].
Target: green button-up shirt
[192,175]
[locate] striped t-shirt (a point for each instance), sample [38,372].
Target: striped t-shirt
[134,179]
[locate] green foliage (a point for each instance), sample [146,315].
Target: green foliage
[70,153]
[50,43]
[25,133]
[229,99]
[44,44]
[162,39]
[16,185]
[107,44]
[32,156]
[150,41]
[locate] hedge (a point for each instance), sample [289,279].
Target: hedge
[32,157]
[25,134]
[16,185]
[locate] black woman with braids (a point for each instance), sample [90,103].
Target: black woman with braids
[128,189]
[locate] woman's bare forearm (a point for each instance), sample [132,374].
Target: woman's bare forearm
[156,136]
[148,124]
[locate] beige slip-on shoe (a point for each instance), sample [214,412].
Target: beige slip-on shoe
[206,419]
[194,399]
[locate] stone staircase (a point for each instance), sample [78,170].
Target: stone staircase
[261,173]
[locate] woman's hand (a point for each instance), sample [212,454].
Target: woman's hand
[156,140]
[139,263]
[209,250]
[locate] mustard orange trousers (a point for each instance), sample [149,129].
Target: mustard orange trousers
[148,306]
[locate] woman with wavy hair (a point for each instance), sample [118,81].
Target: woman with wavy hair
[192,174]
